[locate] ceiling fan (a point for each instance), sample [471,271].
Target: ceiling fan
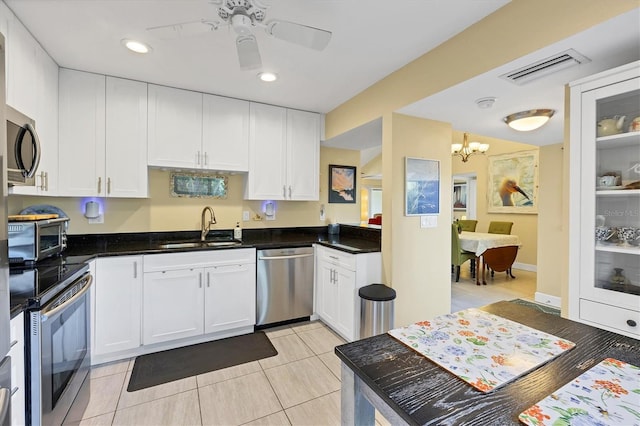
[244,16]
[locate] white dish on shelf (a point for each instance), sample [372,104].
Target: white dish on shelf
[609,188]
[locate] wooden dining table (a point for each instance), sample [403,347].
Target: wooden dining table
[406,387]
[500,251]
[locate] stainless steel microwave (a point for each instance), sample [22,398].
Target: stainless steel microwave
[30,241]
[23,148]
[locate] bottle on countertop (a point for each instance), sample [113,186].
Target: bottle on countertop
[237,232]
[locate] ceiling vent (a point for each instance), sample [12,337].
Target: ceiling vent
[555,63]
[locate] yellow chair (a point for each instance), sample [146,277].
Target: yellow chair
[500,228]
[468,225]
[458,256]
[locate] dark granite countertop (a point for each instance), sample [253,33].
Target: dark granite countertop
[351,239]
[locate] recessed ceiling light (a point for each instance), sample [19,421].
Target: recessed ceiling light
[136,46]
[268,76]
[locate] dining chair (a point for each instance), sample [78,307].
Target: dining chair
[498,227]
[468,225]
[458,256]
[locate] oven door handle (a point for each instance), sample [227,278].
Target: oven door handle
[46,313]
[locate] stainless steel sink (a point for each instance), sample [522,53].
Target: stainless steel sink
[198,244]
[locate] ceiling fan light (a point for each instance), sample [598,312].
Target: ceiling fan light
[136,46]
[526,121]
[267,76]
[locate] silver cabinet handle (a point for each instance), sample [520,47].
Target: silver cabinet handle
[14,390]
[99,185]
[42,181]
[46,180]
[13,343]
[200,280]
[208,279]
[135,270]
[198,158]
[108,185]
[289,191]
[206,158]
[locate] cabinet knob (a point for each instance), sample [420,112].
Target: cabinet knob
[631,323]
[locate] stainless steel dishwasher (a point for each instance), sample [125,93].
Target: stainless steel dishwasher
[284,284]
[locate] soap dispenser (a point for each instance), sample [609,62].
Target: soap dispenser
[237,232]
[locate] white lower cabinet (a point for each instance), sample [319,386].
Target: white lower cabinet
[194,293]
[230,297]
[17,370]
[173,305]
[118,304]
[339,275]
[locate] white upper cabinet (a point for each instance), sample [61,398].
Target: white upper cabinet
[225,133]
[32,88]
[175,127]
[303,155]
[267,153]
[126,138]
[82,133]
[103,123]
[284,149]
[197,131]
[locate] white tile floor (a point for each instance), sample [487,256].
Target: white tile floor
[299,386]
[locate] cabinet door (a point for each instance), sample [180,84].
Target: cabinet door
[175,127]
[173,305]
[267,156]
[126,138]
[345,301]
[22,68]
[327,293]
[303,155]
[230,297]
[118,304]
[225,133]
[46,118]
[82,130]
[17,371]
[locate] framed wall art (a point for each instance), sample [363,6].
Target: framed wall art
[421,187]
[513,183]
[459,196]
[342,184]
[198,185]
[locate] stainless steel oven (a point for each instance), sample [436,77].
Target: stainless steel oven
[59,351]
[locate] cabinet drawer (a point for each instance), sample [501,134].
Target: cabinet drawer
[198,259]
[338,258]
[610,316]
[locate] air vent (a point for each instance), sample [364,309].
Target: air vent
[547,66]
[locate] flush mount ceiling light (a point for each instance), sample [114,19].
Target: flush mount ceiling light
[526,121]
[136,46]
[466,149]
[268,76]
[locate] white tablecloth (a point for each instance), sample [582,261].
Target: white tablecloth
[479,242]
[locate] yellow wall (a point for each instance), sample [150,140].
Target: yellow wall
[416,262]
[161,212]
[525,226]
[550,223]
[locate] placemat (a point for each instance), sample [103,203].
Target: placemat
[482,349]
[606,394]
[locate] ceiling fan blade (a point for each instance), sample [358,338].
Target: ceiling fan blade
[311,37]
[248,52]
[184,29]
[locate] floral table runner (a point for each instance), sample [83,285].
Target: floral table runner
[482,349]
[606,394]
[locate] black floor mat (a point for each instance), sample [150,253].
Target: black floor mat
[174,364]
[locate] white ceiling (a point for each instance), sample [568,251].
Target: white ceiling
[370,40]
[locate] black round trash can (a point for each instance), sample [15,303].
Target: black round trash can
[376,309]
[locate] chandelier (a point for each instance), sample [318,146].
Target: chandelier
[466,149]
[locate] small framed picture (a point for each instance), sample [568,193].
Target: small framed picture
[421,187]
[342,184]
[460,196]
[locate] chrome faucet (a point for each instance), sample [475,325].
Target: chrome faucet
[206,226]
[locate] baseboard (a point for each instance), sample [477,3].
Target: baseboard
[547,299]
[525,267]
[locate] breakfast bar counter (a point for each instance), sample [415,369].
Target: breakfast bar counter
[407,388]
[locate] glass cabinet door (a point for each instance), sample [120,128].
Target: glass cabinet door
[611,193]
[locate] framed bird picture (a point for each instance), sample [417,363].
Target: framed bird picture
[513,183]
